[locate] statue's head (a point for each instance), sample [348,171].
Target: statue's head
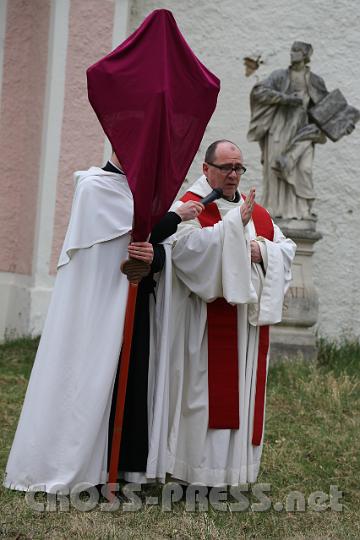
[300,52]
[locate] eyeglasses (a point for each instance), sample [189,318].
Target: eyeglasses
[228,168]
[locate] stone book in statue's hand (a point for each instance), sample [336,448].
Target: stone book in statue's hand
[334,116]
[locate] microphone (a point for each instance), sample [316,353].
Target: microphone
[215,194]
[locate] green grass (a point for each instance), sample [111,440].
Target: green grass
[312,441]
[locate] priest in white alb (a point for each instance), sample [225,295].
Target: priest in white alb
[231,270]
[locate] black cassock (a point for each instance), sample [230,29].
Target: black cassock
[134,440]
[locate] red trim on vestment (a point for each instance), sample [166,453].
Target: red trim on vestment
[223,378]
[264,227]
[259,408]
[223,364]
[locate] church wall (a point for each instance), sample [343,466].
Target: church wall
[23,91]
[48,129]
[45,81]
[24,31]
[222,34]
[82,142]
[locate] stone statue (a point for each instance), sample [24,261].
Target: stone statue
[282,123]
[291,111]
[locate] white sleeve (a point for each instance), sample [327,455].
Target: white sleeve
[279,256]
[215,261]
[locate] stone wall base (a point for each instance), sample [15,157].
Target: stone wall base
[292,343]
[23,306]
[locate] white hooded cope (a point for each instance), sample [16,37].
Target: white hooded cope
[61,438]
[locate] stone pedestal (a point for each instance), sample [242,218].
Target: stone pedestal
[294,336]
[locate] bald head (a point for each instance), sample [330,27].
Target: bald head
[211,151]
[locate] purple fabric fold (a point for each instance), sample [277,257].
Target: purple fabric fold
[154,99]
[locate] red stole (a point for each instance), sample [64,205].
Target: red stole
[223,365]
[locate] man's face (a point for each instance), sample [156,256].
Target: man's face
[225,154]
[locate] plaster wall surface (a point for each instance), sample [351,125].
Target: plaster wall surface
[23,90]
[221,34]
[82,139]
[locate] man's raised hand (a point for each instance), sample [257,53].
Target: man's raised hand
[247,207]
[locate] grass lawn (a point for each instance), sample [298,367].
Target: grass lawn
[312,442]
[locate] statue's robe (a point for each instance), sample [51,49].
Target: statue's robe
[284,130]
